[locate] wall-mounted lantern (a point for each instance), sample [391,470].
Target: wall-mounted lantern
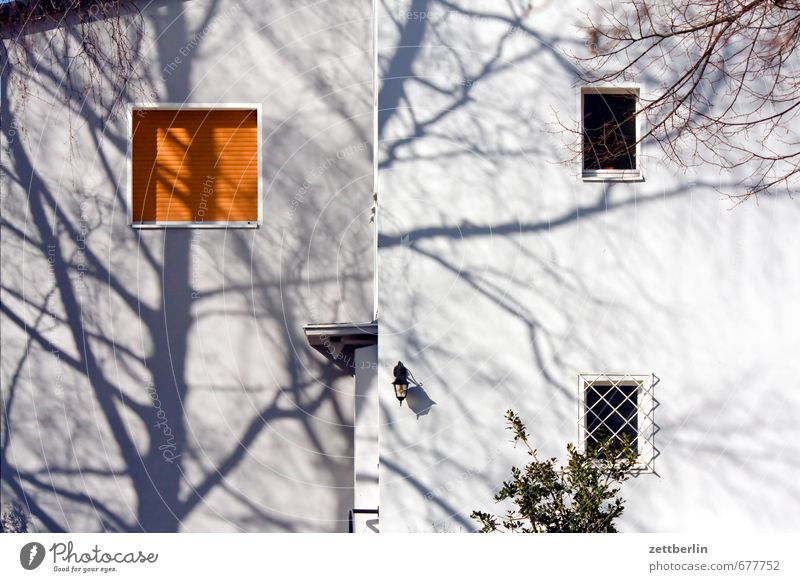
[400,382]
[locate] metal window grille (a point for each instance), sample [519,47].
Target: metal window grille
[619,407]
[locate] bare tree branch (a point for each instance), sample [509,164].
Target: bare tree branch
[727,81]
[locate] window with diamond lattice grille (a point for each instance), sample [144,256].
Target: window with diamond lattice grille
[618,409]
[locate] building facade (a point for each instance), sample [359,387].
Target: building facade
[506,274]
[198,259]
[157,377]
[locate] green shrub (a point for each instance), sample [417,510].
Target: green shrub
[579,498]
[14,519]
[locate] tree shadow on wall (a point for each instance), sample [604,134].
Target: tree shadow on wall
[111,421]
[448,96]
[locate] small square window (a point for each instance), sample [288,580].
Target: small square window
[610,134]
[195,166]
[618,408]
[611,413]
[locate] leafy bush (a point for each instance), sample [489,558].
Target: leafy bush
[14,519]
[579,498]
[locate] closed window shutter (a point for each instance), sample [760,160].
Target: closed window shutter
[195,165]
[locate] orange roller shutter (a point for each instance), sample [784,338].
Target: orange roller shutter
[195,165]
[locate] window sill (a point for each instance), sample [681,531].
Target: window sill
[639,468]
[157,225]
[612,176]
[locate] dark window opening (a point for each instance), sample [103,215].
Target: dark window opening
[612,416]
[609,131]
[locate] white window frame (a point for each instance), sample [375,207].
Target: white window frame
[646,403]
[196,224]
[634,175]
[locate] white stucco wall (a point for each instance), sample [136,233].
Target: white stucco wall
[208,322]
[366,444]
[503,276]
